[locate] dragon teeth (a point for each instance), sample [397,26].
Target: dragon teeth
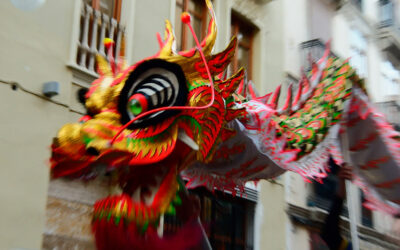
[187,140]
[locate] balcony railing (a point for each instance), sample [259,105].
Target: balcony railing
[312,51]
[386,13]
[94,27]
[357,3]
[391,110]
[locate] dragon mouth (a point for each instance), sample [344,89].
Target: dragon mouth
[149,191]
[143,189]
[142,209]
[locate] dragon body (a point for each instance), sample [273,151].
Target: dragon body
[219,139]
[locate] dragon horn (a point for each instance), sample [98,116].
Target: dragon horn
[298,94]
[166,49]
[306,84]
[326,52]
[275,97]
[109,44]
[288,103]
[121,57]
[159,40]
[251,90]
[209,40]
[264,99]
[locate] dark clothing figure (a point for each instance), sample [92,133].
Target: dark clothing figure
[331,232]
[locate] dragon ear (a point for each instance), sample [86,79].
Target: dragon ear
[229,86]
[218,62]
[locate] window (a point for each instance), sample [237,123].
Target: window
[244,32]
[198,11]
[386,12]
[390,79]
[112,8]
[366,214]
[358,52]
[358,4]
[312,51]
[324,194]
[99,19]
[228,221]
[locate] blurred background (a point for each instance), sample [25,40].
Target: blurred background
[48,53]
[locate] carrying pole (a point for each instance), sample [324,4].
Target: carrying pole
[351,195]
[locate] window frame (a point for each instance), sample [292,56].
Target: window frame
[211,204]
[116,11]
[237,24]
[202,16]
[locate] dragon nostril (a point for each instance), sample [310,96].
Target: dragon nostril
[92,151]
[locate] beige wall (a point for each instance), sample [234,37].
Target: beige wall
[320,19]
[34,49]
[272,65]
[150,16]
[37,47]
[271,217]
[28,125]
[295,32]
[40,46]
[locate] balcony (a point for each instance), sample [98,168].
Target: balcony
[94,27]
[389,32]
[312,51]
[314,219]
[357,3]
[391,110]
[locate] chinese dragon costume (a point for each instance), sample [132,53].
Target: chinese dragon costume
[173,116]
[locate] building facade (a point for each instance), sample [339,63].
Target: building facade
[59,41]
[365,32]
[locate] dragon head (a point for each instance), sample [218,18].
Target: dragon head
[130,134]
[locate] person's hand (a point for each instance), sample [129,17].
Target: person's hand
[345,173]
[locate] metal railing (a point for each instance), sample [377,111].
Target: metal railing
[94,27]
[311,51]
[357,3]
[387,15]
[391,110]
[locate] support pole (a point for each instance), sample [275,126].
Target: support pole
[351,196]
[351,207]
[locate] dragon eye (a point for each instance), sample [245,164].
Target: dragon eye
[153,84]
